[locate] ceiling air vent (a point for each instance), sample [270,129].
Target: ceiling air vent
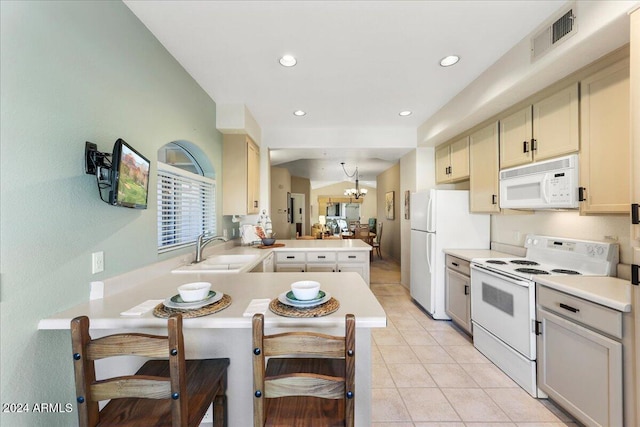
[560,29]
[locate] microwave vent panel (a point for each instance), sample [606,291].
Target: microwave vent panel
[535,168]
[552,34]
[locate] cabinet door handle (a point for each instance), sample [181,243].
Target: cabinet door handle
[525,146]
[534,145]
[568,307]
[255,203]
[635,213]
[466,289]
[455,264]
[494,199]
[582,191]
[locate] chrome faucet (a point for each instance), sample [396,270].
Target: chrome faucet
[202,242]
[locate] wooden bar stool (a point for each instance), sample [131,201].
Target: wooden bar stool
[314,389]
[174,392]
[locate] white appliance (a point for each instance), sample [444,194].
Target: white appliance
[503,303]
[440,219]
[550,184]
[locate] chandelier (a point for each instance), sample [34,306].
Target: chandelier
[354,192]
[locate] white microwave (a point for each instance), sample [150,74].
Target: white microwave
[551,184]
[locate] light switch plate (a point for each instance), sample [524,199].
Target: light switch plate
[97,262]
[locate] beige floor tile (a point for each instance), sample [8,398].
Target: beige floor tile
[432,354]
[411,324]
[388,336]
[410,375]
[489,424]
[474,405]
[568,424]
[428,404]
[392,425]
[439,425]
[487,375]
[398,354]
[388,406]
[381,378]
[520,407]
[450,375]
[376,356]
[433,325]
[451,337]
[465,354]
[420,337]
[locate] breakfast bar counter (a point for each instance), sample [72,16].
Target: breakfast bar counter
[227,333]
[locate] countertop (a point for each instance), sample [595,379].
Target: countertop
[470,254]
[608,291]
[348,288]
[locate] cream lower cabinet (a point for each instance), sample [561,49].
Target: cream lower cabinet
[324,261]
[579,366]
[452,161]
[484,165]
[549,128]
[458,292]
[604,164]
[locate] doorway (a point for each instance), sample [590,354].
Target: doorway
[298,210]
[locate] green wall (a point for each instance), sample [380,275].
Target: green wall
[73,72]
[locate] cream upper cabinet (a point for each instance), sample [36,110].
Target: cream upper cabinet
[483,170]
[452,161]
[604,165]
[546,129]
[240,176]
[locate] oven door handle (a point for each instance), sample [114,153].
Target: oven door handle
[481,269]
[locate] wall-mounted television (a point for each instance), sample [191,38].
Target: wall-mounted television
[126,174]
[129,177]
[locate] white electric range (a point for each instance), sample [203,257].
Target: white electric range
[503,304]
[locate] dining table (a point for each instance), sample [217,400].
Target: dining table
[227,333]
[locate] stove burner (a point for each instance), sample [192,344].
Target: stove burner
[563,271]
[523,262]
[531,271]
[495,261]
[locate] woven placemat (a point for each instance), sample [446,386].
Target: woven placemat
[318,311]
[162,311]
[275,245]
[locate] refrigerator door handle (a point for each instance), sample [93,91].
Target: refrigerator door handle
[430,226]
[428,240]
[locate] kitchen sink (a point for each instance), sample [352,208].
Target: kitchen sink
[231,263]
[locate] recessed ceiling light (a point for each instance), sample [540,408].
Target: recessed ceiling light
[299,113]
[288,61]
[405,113]
[450,60]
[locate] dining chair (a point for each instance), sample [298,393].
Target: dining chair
[362,232]
[174,392]
[378,241]
[308,380]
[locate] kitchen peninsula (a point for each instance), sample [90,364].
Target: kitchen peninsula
[227,333]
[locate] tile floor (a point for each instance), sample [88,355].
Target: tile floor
[426,373]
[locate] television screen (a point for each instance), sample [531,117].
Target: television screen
[130,177]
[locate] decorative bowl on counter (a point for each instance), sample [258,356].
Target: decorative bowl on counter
[305,289]
[268,241]
[195,291]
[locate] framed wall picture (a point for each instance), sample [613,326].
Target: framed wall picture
[389,199]
[407,204]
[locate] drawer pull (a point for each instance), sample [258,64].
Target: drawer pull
[321,257]
[455,264]
[290,256]
[351,256]
[568,307]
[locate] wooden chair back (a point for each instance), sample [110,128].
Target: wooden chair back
[90,391]
[362,232]
[297,344]
[379,233]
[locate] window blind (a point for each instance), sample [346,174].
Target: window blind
[186,207]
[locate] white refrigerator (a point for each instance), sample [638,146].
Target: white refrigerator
[440,219]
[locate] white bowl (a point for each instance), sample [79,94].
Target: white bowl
[196,291]
[305,289]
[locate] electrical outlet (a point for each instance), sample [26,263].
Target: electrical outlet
[97,262]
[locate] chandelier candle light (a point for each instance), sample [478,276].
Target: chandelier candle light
[354,192]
